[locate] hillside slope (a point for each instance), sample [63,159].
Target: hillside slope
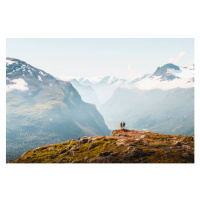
[42,110]
[122,146]
[162,111]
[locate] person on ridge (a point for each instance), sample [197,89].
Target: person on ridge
[124,125]
[121,125]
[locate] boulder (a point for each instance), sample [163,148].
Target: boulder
[62,151]
[121,142]
[114,154]
[54,155]
[122,135]
[71,152]
[92,146]
[113,133]
[36,149]
[69,147]
[75,149]
[67,153]
[132,144]
[178,143]
[106,153]
[131,153]
[82,141]
[92,139]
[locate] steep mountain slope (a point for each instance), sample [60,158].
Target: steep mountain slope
[87,92]
[42,110]
[122,146]
[163,111]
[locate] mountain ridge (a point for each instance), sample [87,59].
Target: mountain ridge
[122,146]
[166,73]
[166,77]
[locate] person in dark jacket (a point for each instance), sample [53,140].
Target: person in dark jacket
[121,125]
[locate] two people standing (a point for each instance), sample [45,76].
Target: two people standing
[122,124]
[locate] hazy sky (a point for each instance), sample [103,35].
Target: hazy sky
[123,58]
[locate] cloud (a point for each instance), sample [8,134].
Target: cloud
[19,84]
[133,74]
[177,58]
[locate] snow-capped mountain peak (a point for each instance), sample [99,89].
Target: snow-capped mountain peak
[15,66]
[167,77]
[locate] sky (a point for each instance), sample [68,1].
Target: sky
[123,58]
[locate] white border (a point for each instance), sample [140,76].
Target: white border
[104,19]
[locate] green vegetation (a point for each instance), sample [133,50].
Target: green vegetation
[121,147]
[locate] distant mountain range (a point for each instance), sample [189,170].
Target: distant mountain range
[167,77]
[162,101]
[42,110]
[103,86]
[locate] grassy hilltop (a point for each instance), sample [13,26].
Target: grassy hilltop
[122,146]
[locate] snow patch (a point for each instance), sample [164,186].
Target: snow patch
[10,62]
[42,73]
[19,84]
[18,69]
[39,78]
[186,72]
[30,71]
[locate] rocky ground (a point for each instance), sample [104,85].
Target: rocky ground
[122,146]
